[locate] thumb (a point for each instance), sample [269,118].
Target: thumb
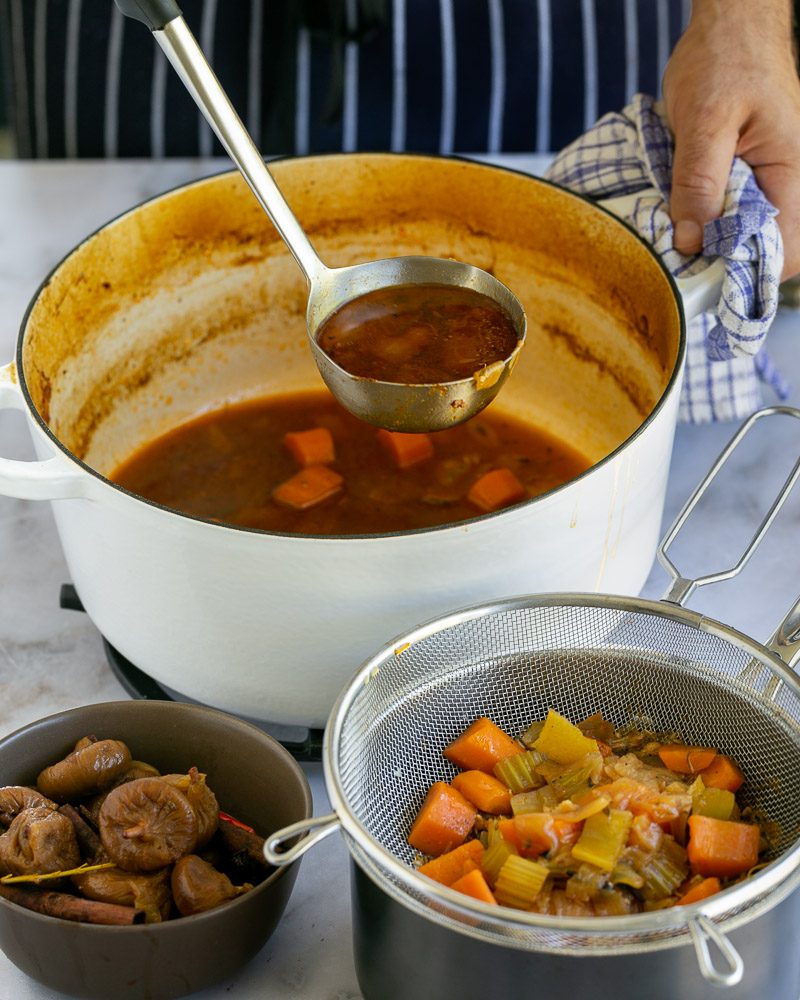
[700,174]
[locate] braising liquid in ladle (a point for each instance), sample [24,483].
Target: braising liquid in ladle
[418,334]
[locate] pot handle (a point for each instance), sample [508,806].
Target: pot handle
[698,293]
[51,479]
[704,930]
[322,826]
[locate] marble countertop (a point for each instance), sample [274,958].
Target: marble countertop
[51,659]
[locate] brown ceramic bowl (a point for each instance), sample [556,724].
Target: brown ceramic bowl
[255,780]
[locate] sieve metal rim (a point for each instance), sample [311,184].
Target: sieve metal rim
[734,897]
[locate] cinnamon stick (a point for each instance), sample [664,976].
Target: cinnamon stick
[61,904]
[243,842]
[88,841]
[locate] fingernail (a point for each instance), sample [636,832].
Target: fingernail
[688,236]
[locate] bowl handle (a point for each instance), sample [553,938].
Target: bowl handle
[699,292]
[322,826]
[704,930]
[52,479]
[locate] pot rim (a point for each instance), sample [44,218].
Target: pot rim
[406,882]
[96,476]
[167,926]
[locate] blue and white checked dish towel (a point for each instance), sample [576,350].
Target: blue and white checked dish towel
[631,150]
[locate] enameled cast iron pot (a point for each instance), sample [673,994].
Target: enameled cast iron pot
[191,301]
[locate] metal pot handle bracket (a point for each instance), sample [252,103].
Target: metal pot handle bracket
[785,642]
[322,827]
[51,479]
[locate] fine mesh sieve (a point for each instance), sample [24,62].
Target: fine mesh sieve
[654,664]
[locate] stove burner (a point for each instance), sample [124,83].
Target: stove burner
[138,684]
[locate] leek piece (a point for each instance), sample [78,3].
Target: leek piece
[574,778]
[586,883]
[494,859]
[519,882]
[538,801]
[697,787]
[561,741]
[624,873]
[595,804]
[548,769]
[596,727]
[602,839]
[718,803]
[518,773]
[613,903]
[664,870]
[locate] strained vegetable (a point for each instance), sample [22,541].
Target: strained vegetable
[586,819]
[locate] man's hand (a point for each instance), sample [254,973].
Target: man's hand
[731,88]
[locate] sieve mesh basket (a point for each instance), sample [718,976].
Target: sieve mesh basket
[637,662]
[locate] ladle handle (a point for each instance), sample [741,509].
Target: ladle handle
[180,46]
[154,13]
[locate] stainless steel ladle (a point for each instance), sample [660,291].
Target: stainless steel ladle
[397,406]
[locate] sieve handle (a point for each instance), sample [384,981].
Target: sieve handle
[317,828]
[785,640]
[704,931]
[682,587]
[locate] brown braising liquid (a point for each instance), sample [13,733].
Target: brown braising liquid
[225,465]
[418,334]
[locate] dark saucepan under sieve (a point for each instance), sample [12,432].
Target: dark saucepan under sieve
[649,662]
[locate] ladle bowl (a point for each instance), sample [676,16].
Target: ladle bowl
[432,406]
[398,406]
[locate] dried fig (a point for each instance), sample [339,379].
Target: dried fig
[136,769]
[84,741]
[37,842]
[90,769]
[147,824]
[15,798]
[196,886]
[149,892]
[201,799]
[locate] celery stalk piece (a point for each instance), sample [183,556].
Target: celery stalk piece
[574,778]
[494,859]
[519,882]
[602,839]
[518,772]
[493,833]
[664,870]
[561,741]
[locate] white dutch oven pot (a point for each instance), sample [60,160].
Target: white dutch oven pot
[190,301]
